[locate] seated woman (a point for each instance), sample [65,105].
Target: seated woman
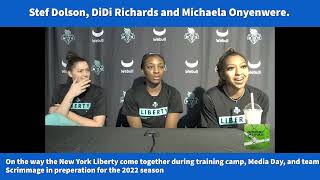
[78,102]
[223,104]
[153,103]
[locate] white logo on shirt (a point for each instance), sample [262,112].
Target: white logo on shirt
[155,104]
[153,112]
[232,120]
[236,110]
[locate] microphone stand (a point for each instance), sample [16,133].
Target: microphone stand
[153,133]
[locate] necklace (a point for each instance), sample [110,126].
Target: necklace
[233,99]
[154,92]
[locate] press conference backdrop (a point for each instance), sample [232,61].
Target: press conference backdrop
[191,54]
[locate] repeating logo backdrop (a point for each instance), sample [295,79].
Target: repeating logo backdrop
[191,54]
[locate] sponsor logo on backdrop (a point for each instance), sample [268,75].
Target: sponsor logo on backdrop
[127,35]
[127,67]
[64,66]
[191,66]
[191,100]
[191,35]
[222,36]
[123,96]
[216,69]
[67,37]
[159,34]
[254,67]
[97,68]
[97,36]
[254,36]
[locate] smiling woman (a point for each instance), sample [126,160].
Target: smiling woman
[223,104]
[68,12]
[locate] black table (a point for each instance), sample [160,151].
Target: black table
[108,139]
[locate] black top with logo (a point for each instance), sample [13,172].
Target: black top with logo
[218,110]
[152,110]
[89,104]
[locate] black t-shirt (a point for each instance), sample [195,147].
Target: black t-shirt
[152,110]
[218,110]
[89,104]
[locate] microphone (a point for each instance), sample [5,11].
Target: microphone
[153,133]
